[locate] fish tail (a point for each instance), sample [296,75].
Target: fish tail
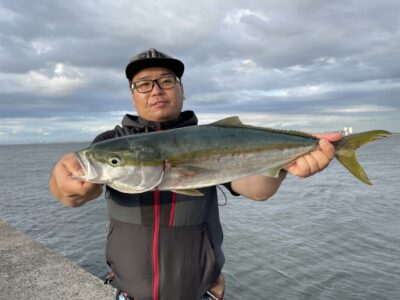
[346,151]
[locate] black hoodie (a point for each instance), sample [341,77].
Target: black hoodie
[160,245]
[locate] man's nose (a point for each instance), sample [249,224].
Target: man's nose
[156,89]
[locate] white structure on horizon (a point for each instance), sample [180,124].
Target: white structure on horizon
[347,130]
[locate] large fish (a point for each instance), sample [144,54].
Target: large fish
[185,159]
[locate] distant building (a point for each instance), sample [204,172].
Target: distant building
[347,130]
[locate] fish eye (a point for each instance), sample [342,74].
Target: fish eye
[114,161]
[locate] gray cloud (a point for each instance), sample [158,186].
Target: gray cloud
[276,57]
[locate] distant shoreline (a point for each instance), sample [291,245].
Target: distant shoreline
[88,142]
[44,143]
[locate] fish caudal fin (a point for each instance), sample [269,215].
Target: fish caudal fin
[346,151]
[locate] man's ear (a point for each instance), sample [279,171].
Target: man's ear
[183,92]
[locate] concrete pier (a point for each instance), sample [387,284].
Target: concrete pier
[28,270]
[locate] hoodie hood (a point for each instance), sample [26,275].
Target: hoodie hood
[186,118]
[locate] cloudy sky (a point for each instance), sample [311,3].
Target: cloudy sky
[292,64]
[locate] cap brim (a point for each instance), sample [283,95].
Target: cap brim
[174,65]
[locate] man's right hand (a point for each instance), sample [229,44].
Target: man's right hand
[71,192]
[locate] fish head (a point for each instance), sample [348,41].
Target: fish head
[117,164]
[100,166]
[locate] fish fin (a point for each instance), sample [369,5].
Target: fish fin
[235,122]
[190,169]
[229,122]
[271,172]
[191,192]
[346,151]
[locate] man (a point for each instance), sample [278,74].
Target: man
[162,245]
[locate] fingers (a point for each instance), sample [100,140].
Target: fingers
[327,149]
[300,167]
[313,162]
[320,159]
[331,137]
[63,171]
[72,165]
[304,166]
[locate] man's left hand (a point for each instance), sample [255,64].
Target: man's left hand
[317,160]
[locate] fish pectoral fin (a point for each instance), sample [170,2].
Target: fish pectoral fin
[271,172]
[191,192]
[190,171]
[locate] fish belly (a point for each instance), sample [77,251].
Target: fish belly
[225,168]
[138,180]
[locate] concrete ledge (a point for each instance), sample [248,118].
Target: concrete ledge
[28,270]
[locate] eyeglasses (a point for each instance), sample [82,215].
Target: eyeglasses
[164,83]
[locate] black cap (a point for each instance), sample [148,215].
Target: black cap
[153,58]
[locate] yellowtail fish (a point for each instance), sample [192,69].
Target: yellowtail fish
[185,159]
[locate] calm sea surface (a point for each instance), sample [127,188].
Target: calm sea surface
[325,237]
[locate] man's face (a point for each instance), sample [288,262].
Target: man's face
[158,105]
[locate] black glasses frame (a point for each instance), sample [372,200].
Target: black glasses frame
[133,85]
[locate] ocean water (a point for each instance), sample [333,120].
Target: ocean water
[325,237]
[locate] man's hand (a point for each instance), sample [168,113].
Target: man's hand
[259,187]
[316,160]
[71,192]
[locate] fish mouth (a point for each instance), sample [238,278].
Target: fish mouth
[89,171]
